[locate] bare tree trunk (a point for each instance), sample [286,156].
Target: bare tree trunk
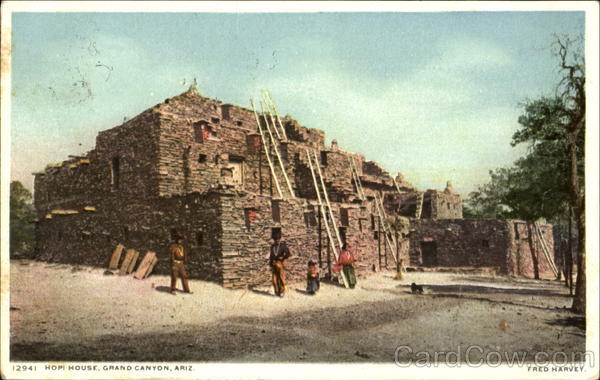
[580,288]
[577,199]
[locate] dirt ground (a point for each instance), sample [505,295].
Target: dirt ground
[65,313]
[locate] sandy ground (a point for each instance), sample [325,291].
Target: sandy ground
[65,313]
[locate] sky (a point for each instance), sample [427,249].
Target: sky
[435,96]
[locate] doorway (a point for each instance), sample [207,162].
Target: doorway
[429,253]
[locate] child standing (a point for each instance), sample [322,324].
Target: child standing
[312,278]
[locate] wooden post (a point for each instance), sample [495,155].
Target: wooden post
[320,233]
[536,270]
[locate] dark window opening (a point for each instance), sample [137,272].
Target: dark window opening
[448,204]
[275,211]
[214,120]
[115,173]
[225,111]
[249,216]
[236,158]
[324,158]
[342,231]
[372,221]
[429,253]
[199,135]
[199,238]
[253,142]
[310,219]
[239,123]
[344,216]
[376,235]
[485,243]
[202,158]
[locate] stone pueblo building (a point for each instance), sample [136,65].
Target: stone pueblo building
[228,177]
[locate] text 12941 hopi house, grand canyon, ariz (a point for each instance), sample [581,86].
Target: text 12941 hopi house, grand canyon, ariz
[229,177]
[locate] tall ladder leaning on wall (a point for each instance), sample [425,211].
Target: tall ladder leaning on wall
[325,209]
[545,250]
[378,207]
[419,204]
[266,148]
[268,103]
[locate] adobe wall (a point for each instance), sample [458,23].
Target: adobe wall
[246,243]
[520,260]
[462,242]
[89,237]
[503,244]
[86,180]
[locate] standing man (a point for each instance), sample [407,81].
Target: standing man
[279,253]
[178,259]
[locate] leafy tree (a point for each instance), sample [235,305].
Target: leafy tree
[22,234]
[547,182]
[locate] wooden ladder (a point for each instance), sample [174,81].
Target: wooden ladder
[326,211]
[264,142]
[386,229]
[271,103]
[356,178]
[419,209]
[545,250]
[276,148]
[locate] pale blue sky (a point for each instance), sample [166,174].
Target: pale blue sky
[433,95]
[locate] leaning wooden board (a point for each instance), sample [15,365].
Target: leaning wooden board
[127,261]
[152,264]
[136,254]
[144,265]
[116,256]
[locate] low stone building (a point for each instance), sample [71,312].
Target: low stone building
[509,247]
[228,178]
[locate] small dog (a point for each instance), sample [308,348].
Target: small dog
[416,289]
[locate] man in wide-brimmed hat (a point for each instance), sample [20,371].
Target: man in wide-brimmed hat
[278,254]
[178,258]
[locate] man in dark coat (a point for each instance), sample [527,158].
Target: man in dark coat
[278,254]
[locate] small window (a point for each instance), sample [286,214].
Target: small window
[215,120]
[239,123]
[275,211]
[372,221]
[199,238]
[485,243]
[202,158]
[324,158]
[250,216]
[344,216]
[376,235]
[253,142]
[199,131]
[115,173]
[310,219]
[342,231]
[448,204]
[225,108]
